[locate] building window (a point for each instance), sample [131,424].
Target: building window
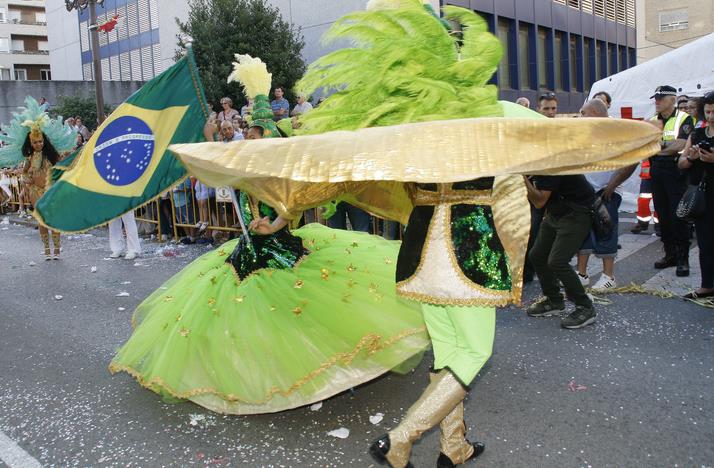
[623,58]
[524,57]
[43,45]
[4,44]
[504,68]
[673,20]
[21,74]
[588,59]
[41,17]
[2,15]
[598,61]
[45,75]
[18,45]
[4,73]
[611,59]
[541,58]
[559,59]
[574,4]
[13,16]
[574,64]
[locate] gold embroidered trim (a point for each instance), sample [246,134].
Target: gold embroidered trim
[449,196]
[372,343]
[438,300]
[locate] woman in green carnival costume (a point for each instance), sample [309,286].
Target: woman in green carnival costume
[408,93]
[277,319]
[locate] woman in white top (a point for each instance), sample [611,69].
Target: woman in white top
[228,112]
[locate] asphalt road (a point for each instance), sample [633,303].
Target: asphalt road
[633,390]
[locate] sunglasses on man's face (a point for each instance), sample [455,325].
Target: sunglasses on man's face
[547,96]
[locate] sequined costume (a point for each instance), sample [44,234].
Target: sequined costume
[280,322]
[36,170]
[452,252]
[414,132]
[37,142]
[276,321]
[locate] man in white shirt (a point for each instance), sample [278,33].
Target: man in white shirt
[605,185]
[301,107]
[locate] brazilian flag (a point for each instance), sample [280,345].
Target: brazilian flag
[125,163]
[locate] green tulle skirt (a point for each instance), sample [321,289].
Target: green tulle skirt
[280,338]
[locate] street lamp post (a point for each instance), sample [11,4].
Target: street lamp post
[94,39]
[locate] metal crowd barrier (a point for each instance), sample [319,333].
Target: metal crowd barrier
[178,211]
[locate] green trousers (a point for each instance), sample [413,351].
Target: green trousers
[462,338]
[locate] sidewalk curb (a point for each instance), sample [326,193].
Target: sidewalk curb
[21,221]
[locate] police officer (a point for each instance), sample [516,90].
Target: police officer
[668,183]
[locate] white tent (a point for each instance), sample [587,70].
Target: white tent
[689,68]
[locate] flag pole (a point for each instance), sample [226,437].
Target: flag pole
[239,213]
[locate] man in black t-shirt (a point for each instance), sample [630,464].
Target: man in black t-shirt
[567,201]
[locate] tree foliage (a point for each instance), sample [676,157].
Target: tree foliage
[84,107]
[218,29]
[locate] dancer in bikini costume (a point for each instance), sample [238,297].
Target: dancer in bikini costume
[443,156]
[275,319]
[39,143]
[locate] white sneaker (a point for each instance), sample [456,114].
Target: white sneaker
[605,282]
[115,255]
[584,280]
[130,255]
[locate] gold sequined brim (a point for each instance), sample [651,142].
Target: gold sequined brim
[440,151]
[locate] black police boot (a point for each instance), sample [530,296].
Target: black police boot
[669,259]
[682,261]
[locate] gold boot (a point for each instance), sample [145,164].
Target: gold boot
[439,399]
[56,242]
[455,448]
[44,235]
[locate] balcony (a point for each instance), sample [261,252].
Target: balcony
[31,52]
[24,28]
[26,3]
[20,21]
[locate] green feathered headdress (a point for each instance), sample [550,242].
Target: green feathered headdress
[253,75]
[405,66]
[33,117]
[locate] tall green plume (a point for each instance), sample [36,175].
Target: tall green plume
[404,66]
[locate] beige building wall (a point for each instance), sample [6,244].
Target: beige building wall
[664,25]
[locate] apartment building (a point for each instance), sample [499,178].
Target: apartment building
[24,49]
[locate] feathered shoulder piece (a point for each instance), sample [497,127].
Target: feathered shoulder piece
[405,66]
[33,119]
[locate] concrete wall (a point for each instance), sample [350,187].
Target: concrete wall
[14,92]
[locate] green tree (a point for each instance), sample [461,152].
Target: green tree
[84,107]
[218,29]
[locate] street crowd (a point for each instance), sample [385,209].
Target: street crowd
[563,208]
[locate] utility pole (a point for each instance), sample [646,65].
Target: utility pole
[94,39]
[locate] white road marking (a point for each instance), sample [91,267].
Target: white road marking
[13,455]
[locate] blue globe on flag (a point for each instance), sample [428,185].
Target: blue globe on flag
[123,150]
